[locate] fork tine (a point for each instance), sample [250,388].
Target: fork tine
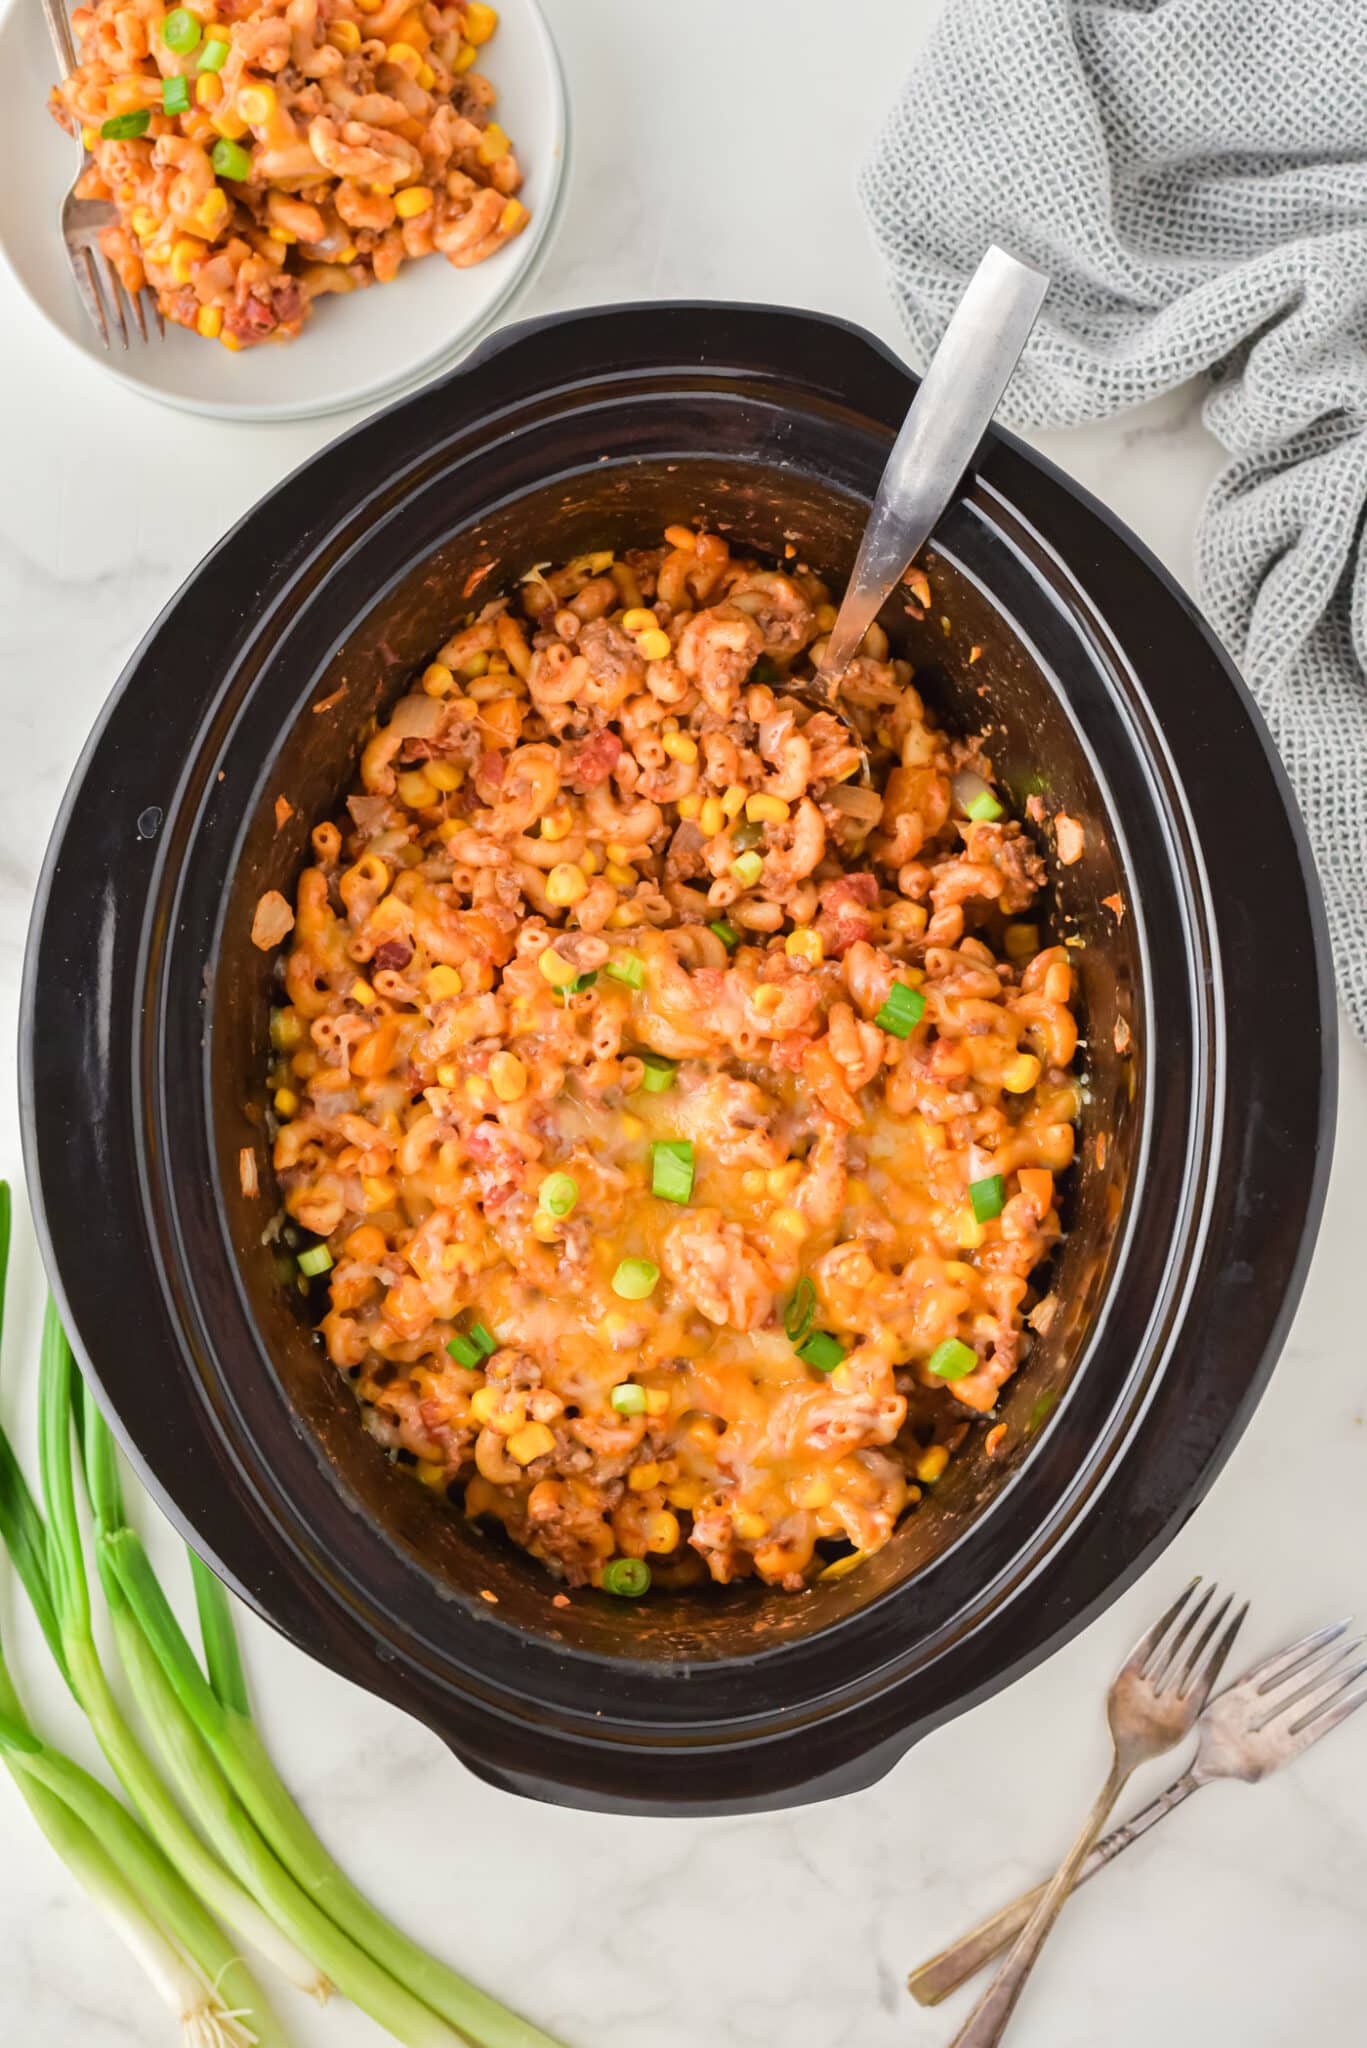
[1147,1644]
[1321,1723]
[1283,1664]
[87,284]
[1332,1689]
[1309,1683]
[135,307]
[1182,1679]
[1306,1674]
[114,295]
[1200,1687]
[1167,1653]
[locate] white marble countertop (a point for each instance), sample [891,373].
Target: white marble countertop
[1243,1920]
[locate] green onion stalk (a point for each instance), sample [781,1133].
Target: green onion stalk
[219,1710]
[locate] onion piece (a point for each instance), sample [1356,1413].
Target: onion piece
[967,785]
[274,921]
[417,718]
[865,805]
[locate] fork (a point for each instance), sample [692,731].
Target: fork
[1277,1710]
[1153,1702]
[82,220]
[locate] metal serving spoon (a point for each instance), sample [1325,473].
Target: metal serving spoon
[948,417]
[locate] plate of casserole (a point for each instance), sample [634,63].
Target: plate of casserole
[319,204]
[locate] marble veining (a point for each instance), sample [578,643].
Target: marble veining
[716,160]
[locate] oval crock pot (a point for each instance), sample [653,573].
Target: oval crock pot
[1209,1043]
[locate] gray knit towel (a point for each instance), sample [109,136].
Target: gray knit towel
[1193,176]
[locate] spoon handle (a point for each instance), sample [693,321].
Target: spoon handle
[949,415]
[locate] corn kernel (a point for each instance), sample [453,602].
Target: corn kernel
[208,89]
[805,944]
[1021,1074]
[545,1227]
[345,36]
[480,21]
[754,1181]
[256,103]
[767,999]
[476,1091]
[791,1222]
[493,144]
[781,1180]
[766,810]
[620,877]
[427,77]
[444,776]
[689,806]
[631,1127]
[89,137]
[639,620]
[346,254]
[711,817]
[565,885]
[184,255]
[556,824]
[513,217]
[1022,941]
[590,861]
[931,1464]
[484,1404]
[732,800]
[286,1102]
[530,1442]
[843,1566]
[642,1477]
[413,200]
[657,1401]
[662,1532]
[747,868]
[367,1244]
[361,992]
[654,646]
[508,1076]
[556,971]
[749,1527]
[379,1191]
[213,210]
[415,790]
[623,918]
[404,55]
[825,617]
[440,983]
[144,222]
[282,235]
[615,850]
[465,56]
[448,1075]
[228,123]
[818,1492]
[687,1494]
[970,1231]
[680,747]
[230,341]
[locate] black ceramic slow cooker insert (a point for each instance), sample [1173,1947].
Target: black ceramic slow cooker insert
[1208,1018]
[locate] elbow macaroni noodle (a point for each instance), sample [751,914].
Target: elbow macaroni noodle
[604,887]
[262,153]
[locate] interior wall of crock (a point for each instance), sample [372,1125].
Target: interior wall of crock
[375,658]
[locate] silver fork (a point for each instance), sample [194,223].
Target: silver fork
[82,220]
[1153,1702]
[1267,1718]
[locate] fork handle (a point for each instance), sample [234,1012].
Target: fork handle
[59,28]
[990,2017]
[954,1965]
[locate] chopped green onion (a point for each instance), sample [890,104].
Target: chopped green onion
[578,985]
[987,1197]
[126,127]
[952,1360]
[800,1313]
[559,1193]
[635,1279]
[659,1073]
[175,94]
[671,1169]
[180,30]
[628,1399]
[746,835]
[822,1351]
[727,933]
[230,160]
[487,1342]
[315,1260]
[766,671]
[214,55]
[628,969]
[465,1352]
[627,1577]
[902,1011]
[984,808]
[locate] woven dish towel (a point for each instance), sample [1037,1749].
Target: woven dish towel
[1193,176]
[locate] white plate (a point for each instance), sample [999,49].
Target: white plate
[353,350]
